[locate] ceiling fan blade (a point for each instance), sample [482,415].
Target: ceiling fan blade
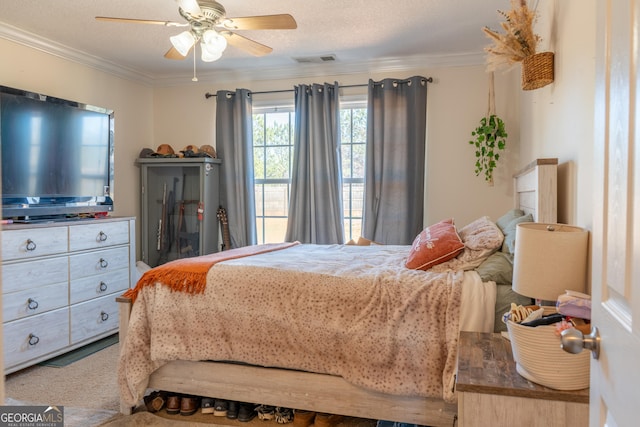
[251,46]
[190,6]
[265,22]
[141,21]
[174,54]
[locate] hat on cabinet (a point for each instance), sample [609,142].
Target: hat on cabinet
[190,151]
[165,150]
[208,151]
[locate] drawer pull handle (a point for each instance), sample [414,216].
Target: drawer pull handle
[102,237]
[33,340]
[32,304]
[31,245]
[103,263]
[104,316]
[103,286]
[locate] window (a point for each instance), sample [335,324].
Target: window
[353,138]
[272,160]
[273,131]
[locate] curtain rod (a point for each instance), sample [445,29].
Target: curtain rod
[210,95]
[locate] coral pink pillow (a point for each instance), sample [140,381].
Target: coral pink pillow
[435,244]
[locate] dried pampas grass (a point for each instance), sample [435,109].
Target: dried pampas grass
[518,40]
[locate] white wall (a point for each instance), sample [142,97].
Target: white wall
[181,115]
[33,70]
[457,99]
[557,120]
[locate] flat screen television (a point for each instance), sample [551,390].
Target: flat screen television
[57,157]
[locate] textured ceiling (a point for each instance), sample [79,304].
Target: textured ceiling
[362,34]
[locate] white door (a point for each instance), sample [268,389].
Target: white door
[615,376]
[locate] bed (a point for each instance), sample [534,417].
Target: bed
[418,388]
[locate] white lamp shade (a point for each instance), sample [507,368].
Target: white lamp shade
[209,56]
[214,41]
[183,42]
[212,45]
[190,6]
[549,259]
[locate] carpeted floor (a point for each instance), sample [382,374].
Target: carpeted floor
[88,391]
[86,388]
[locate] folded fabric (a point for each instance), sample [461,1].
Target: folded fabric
[575,304]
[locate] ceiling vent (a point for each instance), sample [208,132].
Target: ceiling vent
[315,59]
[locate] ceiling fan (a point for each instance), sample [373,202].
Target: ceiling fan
[210,26]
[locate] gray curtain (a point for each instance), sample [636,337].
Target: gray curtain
[394,171]
[315,203]
[234,146]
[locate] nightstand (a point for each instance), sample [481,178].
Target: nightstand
[492,393]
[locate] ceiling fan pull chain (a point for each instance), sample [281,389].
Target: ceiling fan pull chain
[195,78]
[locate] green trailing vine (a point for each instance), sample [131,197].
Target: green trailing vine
[490,137]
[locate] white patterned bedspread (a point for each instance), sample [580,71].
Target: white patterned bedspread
[352,311]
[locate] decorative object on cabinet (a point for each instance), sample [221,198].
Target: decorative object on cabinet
[549,260]
[489,138]
[179,199]
[60,282]
[518,43]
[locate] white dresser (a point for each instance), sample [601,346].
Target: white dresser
[59,285]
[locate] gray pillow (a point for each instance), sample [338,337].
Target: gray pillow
[509,244]
[497,268]
[505,219]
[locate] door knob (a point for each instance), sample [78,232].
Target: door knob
[573,341]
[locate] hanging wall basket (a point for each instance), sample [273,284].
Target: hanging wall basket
[537,70]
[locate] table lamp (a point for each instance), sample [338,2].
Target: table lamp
[549,260]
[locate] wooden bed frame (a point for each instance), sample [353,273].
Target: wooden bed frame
[536,193]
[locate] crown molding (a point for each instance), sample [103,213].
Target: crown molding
[302,71]
[295,71]
[50,47]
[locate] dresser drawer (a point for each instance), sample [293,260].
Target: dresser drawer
[35,336]
[99,285]
[98,262]
[30,302]
[35,242]
[94,317]
[98,235]
[27,275]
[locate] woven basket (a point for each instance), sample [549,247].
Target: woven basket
[537,70]
[539,358]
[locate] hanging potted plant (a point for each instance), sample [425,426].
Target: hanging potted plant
[518,43]
[489,138]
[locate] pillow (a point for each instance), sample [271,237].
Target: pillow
[497,268]
[509,231]
[482,234]
[505,219]
[481,238]
[435,244]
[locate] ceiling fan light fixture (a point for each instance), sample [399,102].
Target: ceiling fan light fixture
[214,41]
[208,55]
[183,42]
[212,45]
[190,6]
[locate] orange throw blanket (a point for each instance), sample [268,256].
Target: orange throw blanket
[190,274]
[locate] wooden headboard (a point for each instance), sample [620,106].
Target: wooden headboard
[536,190]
